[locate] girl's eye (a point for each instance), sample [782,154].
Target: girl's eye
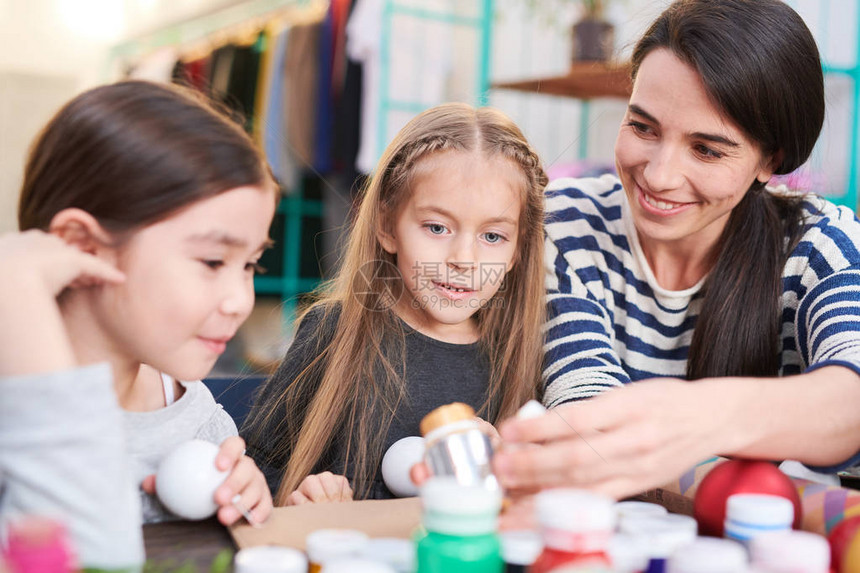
[493,238]
[255,268]
[435,228]
[707,152]
[213,264]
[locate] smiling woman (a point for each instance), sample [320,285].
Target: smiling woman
[688,266]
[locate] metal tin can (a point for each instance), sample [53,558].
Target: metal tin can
[456,445]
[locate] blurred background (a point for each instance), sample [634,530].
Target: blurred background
[322,85]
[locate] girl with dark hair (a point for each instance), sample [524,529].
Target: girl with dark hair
[143,214]
[687,267]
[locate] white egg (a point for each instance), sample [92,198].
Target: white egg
[396,463]
[531,409]
[187,479]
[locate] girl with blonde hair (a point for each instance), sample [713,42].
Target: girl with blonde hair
[439,298]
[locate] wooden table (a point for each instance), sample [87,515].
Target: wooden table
[187,545]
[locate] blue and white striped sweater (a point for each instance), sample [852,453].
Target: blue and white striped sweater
[611,323]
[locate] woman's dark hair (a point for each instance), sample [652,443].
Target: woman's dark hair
[131,154]
[760,66]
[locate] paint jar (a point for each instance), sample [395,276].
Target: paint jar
[661,535]
[789,551]
[393,551]
[635,509]
[270,559]
[576,526]
[520,549]
[751,514]
[324,545]
[356,565]
[456,445]
[460,528]
[709,555]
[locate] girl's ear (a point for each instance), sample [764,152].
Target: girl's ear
[80,229]
[385,236]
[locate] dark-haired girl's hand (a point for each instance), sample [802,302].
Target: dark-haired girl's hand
[321,488]
[44,260]
[244,493]
[36,267]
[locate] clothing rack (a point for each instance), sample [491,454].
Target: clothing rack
[216,27]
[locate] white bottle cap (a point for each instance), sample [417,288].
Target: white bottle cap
[760,510]
[520,546]
[457,509]
[627,509]
[355,565]
[663,534]
[628,553]
[789,551]
[270,559]
[393,551]
[324,545]
[574,510]
[708,555]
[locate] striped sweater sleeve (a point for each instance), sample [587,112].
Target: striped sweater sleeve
[827,322]
[579,360]
[823,276]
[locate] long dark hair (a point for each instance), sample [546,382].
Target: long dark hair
[760,66]
[133,153]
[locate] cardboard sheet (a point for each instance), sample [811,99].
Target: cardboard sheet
[289,526]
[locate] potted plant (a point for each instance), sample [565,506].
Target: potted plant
[593,36]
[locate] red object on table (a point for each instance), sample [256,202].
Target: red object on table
[840,538]
[739,476]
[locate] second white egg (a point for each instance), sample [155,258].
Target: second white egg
[396,463]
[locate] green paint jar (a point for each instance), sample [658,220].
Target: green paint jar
[459,528]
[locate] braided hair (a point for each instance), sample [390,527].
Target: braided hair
[362,383]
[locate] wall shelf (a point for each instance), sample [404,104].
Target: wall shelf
[584,80]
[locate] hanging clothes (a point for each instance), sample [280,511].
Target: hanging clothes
[302,87]
[273,134]
[418,68]
[325,105]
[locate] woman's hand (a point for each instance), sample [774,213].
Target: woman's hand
[245,482]
[620,443]
[320,488]
[491,431]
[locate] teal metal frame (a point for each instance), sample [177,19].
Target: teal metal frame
[290,284]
